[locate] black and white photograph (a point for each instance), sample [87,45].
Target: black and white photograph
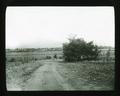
[60,48]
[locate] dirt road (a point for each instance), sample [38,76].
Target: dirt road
[52,75]
[47,78]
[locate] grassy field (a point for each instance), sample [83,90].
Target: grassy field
[100,74]
[18,71]
[31,55]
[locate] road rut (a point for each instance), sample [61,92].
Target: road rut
[47,78]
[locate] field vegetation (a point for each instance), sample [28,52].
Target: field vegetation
[98,74]
[19,70]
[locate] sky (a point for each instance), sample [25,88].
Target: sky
[40,27]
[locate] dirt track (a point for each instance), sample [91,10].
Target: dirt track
[52,76]
[47,78]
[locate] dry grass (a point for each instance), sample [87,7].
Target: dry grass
[17,72]
[95,73]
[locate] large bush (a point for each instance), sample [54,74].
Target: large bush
[78,50]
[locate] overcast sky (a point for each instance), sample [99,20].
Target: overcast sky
[36,27]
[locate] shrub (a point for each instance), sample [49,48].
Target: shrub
[78,50]
[12,60]
[60,57]
[55,56]
[48,57]
[36,59]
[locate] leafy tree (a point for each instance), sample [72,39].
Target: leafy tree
[78,50]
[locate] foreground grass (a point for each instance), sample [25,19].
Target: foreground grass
[17,73]
[96,76]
